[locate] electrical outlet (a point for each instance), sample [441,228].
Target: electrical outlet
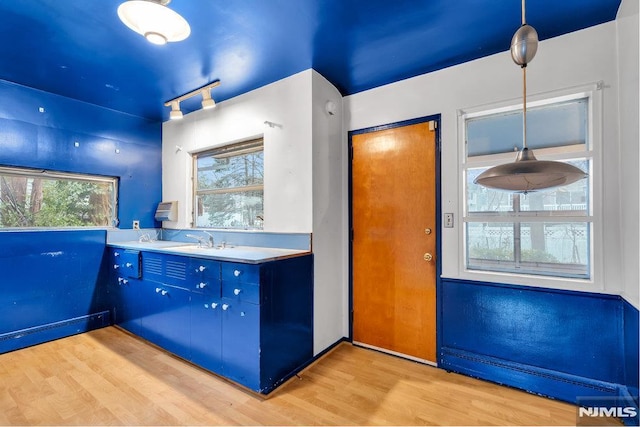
[136,224]
[448,220]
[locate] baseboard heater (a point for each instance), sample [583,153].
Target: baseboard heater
[533,379]
[22,338]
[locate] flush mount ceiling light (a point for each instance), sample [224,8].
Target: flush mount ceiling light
[527,173]
[207,101]
[154,20]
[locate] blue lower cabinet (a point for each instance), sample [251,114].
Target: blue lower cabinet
[127,307]
[166,322]
[206,331]
[241,347]
[252,323]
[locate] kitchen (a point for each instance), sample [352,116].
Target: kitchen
[51,279]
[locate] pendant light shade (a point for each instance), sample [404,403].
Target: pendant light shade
[527,173]
[154,20]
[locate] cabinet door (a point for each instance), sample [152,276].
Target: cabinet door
[167,318]
[206,323]
[241,342]
[126,309]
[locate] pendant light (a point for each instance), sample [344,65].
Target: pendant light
[154,20]
[527,173]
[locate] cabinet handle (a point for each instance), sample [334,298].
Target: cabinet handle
[125,281]
[225,307]
[129,265]
[201,285]
[200,269]
[214,305]
[237,273]
[116,266]
[161,291]
[237,291]
[116,254]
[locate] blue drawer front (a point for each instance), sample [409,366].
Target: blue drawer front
[204,276]
[241,292]
[240,273]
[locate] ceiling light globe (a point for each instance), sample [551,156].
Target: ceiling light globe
[150,17]
[155,38]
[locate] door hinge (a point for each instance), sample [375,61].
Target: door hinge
[433,125]
[351,153]
[352,235]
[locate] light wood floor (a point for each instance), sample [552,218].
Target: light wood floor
[108,377]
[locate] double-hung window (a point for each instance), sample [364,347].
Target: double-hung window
[229,187]
[549,232]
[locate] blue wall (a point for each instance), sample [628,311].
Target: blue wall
[562,344]
[49,280]
[49,285]
[34,139]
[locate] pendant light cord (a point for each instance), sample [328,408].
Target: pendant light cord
[524,89]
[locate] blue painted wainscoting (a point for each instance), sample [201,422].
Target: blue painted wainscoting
[49,285]
[561,344]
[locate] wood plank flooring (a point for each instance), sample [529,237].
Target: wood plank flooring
[107,377]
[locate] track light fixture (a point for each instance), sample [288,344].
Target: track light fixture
[207,101]
[154,20]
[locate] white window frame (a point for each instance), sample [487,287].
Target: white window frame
[593,93]
[236,148]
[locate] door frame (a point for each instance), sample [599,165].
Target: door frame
[436,118]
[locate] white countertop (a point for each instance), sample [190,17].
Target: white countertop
[245,254]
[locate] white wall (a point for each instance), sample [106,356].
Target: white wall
[304,175]
[287,149]
[330,245]
[581,58]
[628,59]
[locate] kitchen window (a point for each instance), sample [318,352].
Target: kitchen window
[545,233]
[39,198]
[229,187]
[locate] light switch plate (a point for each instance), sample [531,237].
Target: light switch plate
[448,220]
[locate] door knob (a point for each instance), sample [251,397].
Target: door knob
[427,231]
[428,257]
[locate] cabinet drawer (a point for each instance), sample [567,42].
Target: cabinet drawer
[127,262]
[202,268]
[240,273]
[241,292]
[207,286]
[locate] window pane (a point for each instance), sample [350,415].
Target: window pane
[571,198]
[243,209]
[561,249]
[217,171]
[482,199]
[489,242]
[553,125]
[28,201]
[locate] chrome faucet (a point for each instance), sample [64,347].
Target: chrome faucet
[210,244]
[202,241]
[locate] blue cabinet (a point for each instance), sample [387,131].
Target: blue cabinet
[124,290]
[252,323]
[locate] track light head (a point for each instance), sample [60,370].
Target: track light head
[207,101]
[175,113]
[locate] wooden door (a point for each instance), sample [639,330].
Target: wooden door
[394,228]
